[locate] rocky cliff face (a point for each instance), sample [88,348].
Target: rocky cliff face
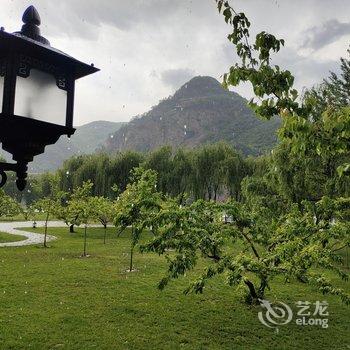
[201,111]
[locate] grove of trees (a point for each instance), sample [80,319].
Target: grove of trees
[286,213]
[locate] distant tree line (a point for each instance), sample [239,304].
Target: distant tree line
[209,172]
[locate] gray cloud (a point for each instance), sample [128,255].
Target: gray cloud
[176,77]
[307,70]
[148,48]
[83,18]
[320,36]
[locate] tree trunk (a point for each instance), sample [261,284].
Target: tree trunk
[262,287]
[252,297]
[131,248]
[84,254]
[209,193]
[131,257]
[71,228]
[105,234]
[45,234]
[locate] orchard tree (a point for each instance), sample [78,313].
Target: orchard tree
[87,214]
[50,204]
[28,212]
[137,205]
[293,242]
[293,246]
[312,159]
[47,206]
[80,209]
[104,212]
[70,209]
[325,108]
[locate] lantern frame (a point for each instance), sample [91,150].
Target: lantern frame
[20,52]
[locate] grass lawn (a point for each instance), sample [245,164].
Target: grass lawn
[54,299]
[6,237]
[20,217]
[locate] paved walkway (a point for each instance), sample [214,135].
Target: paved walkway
[31,238]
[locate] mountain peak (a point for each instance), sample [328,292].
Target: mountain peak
[200,86]
[200,112]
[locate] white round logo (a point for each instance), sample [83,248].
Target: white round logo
[275,315]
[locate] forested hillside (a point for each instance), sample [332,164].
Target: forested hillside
[200,112]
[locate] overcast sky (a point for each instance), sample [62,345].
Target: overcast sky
[146,49]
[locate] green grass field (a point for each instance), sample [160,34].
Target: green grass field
[54,299]
[20,217]
[6,237]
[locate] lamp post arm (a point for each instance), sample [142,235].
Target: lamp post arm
[20,168]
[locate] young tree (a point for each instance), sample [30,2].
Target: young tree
[136,205]
[50,204]
[86,213]
[104,212]
[80,207]
[69,210]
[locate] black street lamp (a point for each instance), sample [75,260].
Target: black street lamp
[36,94]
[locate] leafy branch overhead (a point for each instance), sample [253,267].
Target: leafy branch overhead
[251,249]
[272,85]
[276,229]
[303,117]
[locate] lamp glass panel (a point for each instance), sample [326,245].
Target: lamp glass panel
[38,97]
[2,79]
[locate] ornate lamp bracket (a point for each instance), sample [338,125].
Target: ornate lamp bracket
[20,168]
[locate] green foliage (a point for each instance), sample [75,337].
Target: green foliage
[217,168]
[332,92]
[277,232]
[8,206]
[102,170]
[272,85]
[182,173]
[75,207]
[137,205]
[253,248]
[50,204]
[104,211]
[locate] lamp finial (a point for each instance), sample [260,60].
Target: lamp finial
[30,28]
[31,16]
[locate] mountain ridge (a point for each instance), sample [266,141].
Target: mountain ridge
[200,112]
